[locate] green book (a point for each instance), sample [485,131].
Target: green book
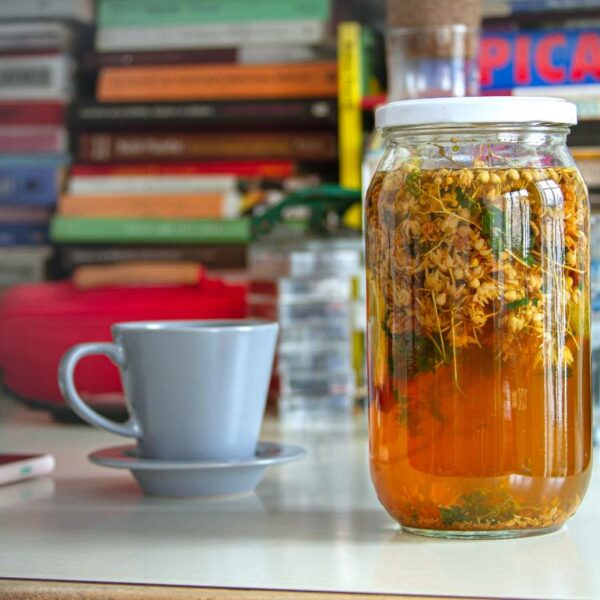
[153,231]
[133,13]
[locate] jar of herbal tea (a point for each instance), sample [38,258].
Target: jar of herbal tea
[477,227]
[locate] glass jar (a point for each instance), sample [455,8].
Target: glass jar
[477,233]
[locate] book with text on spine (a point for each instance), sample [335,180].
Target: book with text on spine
[115,147]
[36,77]
[217,82]
[146,231]
[256,114]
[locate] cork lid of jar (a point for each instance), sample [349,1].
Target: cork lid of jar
[427,13]
[476,110]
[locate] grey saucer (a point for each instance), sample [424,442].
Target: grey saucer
[196,478]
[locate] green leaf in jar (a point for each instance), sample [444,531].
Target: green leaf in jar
[492,224]
[412,182]
[465,201]
[518,303]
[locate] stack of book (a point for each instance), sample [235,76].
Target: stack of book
[202,113]
[38,40]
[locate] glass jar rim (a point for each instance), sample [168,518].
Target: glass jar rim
[475,111]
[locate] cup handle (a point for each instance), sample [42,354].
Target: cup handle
[66,371]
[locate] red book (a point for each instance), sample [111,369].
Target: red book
[275,169]
[32,113]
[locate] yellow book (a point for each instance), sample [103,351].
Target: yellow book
[349,103]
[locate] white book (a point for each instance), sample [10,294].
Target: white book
[291,54]
[36,77]
[32,35]
[152,184]
[223,35]
[78,10]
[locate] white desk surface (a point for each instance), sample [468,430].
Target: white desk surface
[312,525]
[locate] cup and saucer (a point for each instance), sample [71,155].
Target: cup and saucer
[196,392]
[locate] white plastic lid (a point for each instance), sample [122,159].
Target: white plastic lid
[486,109]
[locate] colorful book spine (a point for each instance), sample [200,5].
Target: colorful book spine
[539,58]
[81,10]
[31,36]
[276,169]
[166,57]
[35,185]
[218,35]
[24,214]
[151,184]
[31,139]
[217,82]
[23,234]
[307,146]
[151,206]
[69,257]
[23,264]
[36,77]
[32,113]
[119,13]
[533,6]
[155,231]
[313,113]
[349,104]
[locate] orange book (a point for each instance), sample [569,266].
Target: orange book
[138,273]
[150,206]
[217,82]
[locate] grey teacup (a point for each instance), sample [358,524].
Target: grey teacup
[196,390]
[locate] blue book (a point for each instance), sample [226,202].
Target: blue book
[58,160]
[29,185]
[21,234]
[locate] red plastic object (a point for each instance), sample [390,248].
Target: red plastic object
[39,322]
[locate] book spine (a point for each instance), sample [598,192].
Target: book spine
[218,35]
[158,231]
[24,214]
[33,140]
[529,6]
[59,9]
[246,169]
[217,82]
[151,184]
[350,137]
[151,206]
[309,146]
[35,185]
[23,264]
[32,113]
[212,257]
[35,77]
[321,112]
[168,57]
[19,234]
[116,13]
[57,161]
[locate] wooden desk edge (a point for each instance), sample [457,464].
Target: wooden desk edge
[33,589]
